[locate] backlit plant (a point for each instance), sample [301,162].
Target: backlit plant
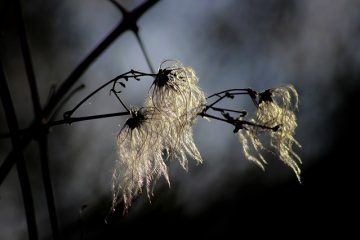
[161,130]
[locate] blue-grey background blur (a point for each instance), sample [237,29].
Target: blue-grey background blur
[313,44]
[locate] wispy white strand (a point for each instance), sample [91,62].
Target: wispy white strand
[162,131]
[279,111]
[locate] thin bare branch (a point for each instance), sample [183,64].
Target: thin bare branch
[45,171]
[71,120]
[126,24]
[25,48]
[143,49]
[233,91]
[125,76]
[37,111]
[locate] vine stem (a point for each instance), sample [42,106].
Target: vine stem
[245,91]
[71,120]
[133,74]
[203,114]
[243,113]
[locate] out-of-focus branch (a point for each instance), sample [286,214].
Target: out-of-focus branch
[8,134]
[45,171]
[143,49]
[43,148]
[126,24]
[123,26]
[18,155]
[27,59]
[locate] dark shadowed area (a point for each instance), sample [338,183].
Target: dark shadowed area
[312,44]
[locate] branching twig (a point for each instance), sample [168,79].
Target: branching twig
[126,76]
[136,75]
[242,113]
[124,25]
[238,122]
[233,91]
[135,29]
[238,91]
[66,99]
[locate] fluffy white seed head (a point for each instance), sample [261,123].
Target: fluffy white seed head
[278,111]
[176,91]
[161,130]
[178,100]
[140,156]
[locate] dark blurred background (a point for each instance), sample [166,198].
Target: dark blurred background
[313,44]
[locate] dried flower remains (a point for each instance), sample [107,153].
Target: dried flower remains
[162,130]
[276,110]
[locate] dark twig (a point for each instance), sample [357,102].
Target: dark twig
[234,90]
[130,74]
[238,122]
[203,114]
[126,24]
[215,102]
[18,155]
[238,91]
[71,120]
[242,113]
[66,99]
[45,171]
[118,98]
[27,59]
[143,49]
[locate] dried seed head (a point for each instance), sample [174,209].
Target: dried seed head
[178,100]
[140,155]
[176,91]
[163,126]
[276,110]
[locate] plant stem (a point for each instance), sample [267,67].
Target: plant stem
[246,91]
[228,110]
[214,117]
[79,119]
